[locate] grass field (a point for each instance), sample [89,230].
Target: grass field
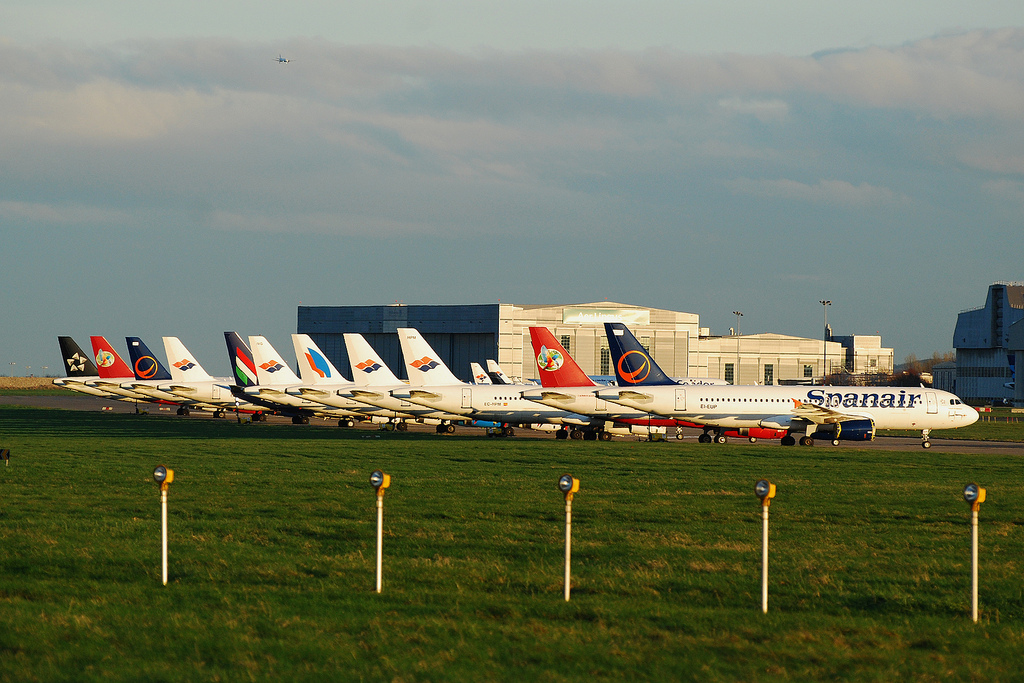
[273,538]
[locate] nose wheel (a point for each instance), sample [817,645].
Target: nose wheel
[925,443]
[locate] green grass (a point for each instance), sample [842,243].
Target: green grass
[273,540]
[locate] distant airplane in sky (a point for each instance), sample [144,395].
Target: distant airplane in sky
[282,59]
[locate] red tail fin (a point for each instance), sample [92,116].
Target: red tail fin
[556,366]
[108,363]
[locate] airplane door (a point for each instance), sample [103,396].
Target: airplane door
[680,399]
[601,406]
[933,403]
[216,392]
[467,398]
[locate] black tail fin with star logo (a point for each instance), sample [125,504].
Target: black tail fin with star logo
[77,363]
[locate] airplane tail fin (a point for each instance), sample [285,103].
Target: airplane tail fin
[368,368]
[144,362]
[108,363]
[557,367]
[314,366]
[76,362]
[423,365]
[479,376]
[496,374]
[242,365]
[183,365]
[270,367]
[633,365]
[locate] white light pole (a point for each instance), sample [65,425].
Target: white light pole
[975,496]
[380,482]
[568,485]
[738,316]
[765,490]
[164,477]
[824,339]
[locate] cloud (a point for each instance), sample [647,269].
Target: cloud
[52,214]
[835,192]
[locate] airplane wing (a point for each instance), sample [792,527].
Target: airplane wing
[419,393]
[820,414]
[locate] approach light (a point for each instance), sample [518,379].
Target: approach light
[765,490]
[974,495]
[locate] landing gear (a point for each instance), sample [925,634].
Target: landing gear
[925,443]
[605,436]
[300,420]
[806,441]
[788,440]
[401,427]
[562,434]
[704,438]
[576,435]
[439,429]
[721,438]
[752,439]
[182,411]
[449,428]
[590,436]
[508,431]
[835,442]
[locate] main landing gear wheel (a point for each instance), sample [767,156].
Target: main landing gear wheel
[590,436]
[788,440]
[606,436]
[806,441]
[721,438]
[508,431]
[401,426]
[576,435]
[561,434]
[439,429]
[704,438]
[449,429]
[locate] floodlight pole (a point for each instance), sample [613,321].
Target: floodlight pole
[380,536]
[974,564]
[824,339]
[568,542]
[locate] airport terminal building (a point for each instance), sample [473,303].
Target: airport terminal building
[462,334]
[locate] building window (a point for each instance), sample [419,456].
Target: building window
[646,343]
[565,341]
[769,374]
[606,360]
[808,371]
[729,373]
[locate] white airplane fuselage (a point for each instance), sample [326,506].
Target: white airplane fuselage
[494,402]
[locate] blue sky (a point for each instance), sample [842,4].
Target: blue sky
[164,175]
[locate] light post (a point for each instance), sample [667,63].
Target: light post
[824,339]
[974,495]
[738,316]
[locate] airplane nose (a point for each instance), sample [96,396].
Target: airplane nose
[971,417]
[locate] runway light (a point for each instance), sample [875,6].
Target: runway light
[163,476]
[568,485]
[380,482]
[765,490]
[975,496]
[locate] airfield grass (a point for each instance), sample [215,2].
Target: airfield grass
[272,546]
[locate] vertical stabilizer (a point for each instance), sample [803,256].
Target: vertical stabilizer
[243,369]
[633,365]
[479,376]
[368,368]
[108,363]
[314,366]
[496,374]
[422,364]
[145,364]
[183,365]
[270,365]
[76,362]
[554,364]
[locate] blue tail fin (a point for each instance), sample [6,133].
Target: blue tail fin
[633,365]
[243,367]
[145,365]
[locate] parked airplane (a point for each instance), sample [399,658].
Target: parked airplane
[274,378]
[492,403]
[150,373]
[496,374]
[190,381]
[634,365]
[373,382]
[81,369]
[114,372]
[835,413]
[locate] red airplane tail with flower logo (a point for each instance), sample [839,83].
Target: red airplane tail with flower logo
[108,363]
[554,364]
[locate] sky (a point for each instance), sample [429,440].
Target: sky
[163,174]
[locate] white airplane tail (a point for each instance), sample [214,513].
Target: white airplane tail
[368,369]
[270,368]
[423,365]
[479,376]
[182,364]
[314,366]
[494,370]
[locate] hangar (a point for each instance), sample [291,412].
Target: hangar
[462,334]
[985,352]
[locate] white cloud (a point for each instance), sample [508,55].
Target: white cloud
[56,214]
[836,192]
